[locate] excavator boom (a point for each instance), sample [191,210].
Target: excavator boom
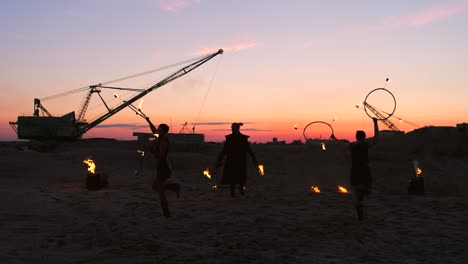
[68,127]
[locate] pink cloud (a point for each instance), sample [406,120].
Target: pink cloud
[429,15]
[175,5]
[233,48]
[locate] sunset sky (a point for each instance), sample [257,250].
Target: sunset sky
[285,63]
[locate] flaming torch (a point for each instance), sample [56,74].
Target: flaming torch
[314,189]
[261,170]
[207,174]
[342,189]
[136,110]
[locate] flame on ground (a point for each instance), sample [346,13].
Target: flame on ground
[323,146]
[342,189]
[207,173]
[91,165]
[314,189]
[418,171]
[261,170]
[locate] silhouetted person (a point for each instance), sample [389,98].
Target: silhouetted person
[160,150]
[361,178]
[235,150]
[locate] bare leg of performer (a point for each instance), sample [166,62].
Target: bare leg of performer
[241,189]
[233,189]
[358,197]
[161,189]
[175,187]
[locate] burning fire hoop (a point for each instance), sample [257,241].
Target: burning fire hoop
[368,108]
[304,132]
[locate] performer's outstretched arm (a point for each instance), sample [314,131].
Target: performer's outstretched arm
[154,130]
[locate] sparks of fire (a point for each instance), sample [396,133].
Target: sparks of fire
[261,170]
[141,152]
[91,165]
[314,189]
[323,146]
[342,189]
[207,173]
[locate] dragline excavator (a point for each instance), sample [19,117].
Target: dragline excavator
[68,127]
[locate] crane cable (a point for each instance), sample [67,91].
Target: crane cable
[206,94]
[120,79]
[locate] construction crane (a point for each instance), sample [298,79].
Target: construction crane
[382,118]
[68,127]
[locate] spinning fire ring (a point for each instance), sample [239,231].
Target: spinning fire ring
[332,136]
[368,107]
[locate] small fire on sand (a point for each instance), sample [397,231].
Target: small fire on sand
[314,189]
[342,189]
[94,181]
[418,171]
[207,174]
[91,166]
[261,170]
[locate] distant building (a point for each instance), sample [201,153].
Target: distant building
[462,127]
[390,133]
[174,138]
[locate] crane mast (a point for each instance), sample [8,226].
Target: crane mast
[181,72]
[382,118]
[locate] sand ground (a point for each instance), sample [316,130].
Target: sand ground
[48,216]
